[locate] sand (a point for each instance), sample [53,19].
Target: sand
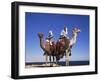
[41,65]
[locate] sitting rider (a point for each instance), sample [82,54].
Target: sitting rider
[64,34]
[49,37]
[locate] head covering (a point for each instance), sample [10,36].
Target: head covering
[50,32]
[65,28]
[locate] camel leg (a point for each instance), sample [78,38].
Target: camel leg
[46,59]
[50,60]
[53,59]
[57,61]
[67,58]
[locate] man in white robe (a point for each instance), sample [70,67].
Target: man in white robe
[49,37]
[64,33]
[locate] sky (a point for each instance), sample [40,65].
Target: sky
[43,22]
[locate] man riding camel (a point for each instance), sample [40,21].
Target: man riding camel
[64,33]
[64,37]
[49,37]
[51,42]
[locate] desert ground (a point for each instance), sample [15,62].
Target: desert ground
[41,65]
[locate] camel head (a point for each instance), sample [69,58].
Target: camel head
[40,35]
[76,30]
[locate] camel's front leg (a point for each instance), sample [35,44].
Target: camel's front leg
[53,59]
[50,60]
[67,57]
[46,59]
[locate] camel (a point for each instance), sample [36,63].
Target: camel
[72,42]
[48,50]
[65,49]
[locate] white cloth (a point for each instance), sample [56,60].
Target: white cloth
[64,33]
[51,34]
[49,41]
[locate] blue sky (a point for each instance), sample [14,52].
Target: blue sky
[43,22]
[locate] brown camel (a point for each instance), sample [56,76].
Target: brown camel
[63,47]
[47,48]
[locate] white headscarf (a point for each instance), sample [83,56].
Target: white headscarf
[50,32]
[64,33]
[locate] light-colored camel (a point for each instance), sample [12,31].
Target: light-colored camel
[71,43]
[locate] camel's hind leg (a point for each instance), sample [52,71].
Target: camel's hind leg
[67,57]
[46,59]
[50,60]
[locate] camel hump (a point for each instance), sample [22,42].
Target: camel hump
[40,34]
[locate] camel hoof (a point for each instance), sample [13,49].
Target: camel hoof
[46,64]
[51,65]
